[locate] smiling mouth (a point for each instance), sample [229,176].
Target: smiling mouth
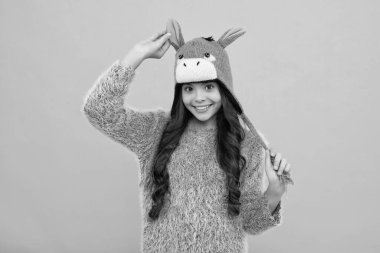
[202,108]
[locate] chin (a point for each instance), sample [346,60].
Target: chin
[203,118]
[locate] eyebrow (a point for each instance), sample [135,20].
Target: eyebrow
[202,83]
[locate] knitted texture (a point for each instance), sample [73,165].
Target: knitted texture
[194,217]
[203,59]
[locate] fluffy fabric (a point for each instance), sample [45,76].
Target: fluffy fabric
[194,218]
[202,59]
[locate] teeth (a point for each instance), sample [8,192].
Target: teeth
[201,108]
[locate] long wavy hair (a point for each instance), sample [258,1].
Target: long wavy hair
[229,136]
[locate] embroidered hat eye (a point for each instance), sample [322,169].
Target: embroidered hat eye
[209,57]
[180,56]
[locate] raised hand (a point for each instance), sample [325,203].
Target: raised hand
[155,46]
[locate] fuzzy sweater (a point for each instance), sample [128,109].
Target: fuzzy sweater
[194,217]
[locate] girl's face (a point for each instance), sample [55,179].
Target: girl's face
[203,100]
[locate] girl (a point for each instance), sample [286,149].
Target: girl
[206,175]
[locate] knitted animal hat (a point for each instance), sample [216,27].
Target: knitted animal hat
[203,59]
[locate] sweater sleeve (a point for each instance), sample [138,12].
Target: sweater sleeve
[105,109]
[255,212]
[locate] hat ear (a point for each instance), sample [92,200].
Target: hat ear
[176,38]
[230,36]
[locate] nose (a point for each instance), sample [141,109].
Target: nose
[184,64]
[199,96]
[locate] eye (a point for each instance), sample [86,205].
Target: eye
[209,86]
[207,55]
[187,88]
[180,56]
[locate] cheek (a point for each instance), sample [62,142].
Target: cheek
[185,99]
[216,97]
[218,106]
[218,101]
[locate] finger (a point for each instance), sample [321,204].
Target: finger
[157,35]
[164,48]
[269,167]
[287,168]
[281,167]
[164,38]
[277,160]
[154,36]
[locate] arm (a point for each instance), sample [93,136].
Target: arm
[105,110]
[104,103]
[259,211]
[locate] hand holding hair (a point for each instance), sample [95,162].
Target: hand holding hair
[275,166]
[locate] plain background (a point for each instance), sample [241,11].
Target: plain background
[306,73]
